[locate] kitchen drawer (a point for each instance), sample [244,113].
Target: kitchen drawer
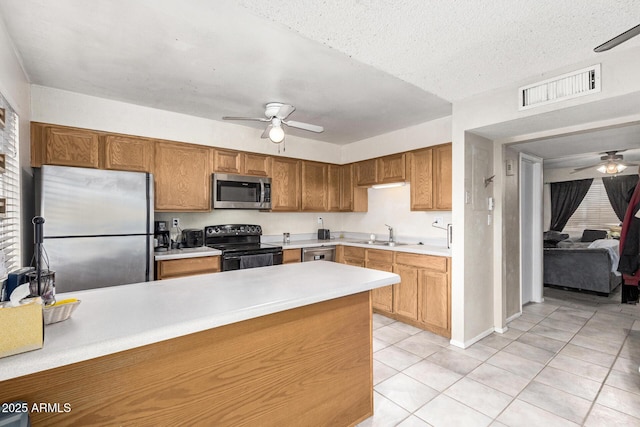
[187,267]
[379,256]
[291,256]
[354,252]
[435,263]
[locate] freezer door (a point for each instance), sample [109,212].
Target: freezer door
[86,202]
[95,262]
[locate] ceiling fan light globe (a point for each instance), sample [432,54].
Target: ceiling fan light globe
[276,134]
[602,169]
[621,167]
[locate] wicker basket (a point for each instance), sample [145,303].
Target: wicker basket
[58,313]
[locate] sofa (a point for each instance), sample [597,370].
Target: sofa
[584,265]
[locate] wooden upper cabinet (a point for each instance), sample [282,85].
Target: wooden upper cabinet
[315,186]
[366,172]
[391,168]
[64,146]
[285,184]
[227,161]
[430,176]
[256,164]
[352,198]
[442,175]
[182,175]
[128,153]
[421,177]
[335,188]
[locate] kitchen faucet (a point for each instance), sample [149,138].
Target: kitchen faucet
[390,233]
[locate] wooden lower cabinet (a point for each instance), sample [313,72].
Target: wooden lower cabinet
[172,268]
[354,256]
[423,296]
[381,298]
[434,300]
[405,293]
[291,256]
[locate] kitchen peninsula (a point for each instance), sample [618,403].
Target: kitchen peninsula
[281,345]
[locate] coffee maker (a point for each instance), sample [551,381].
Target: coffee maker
[161,236]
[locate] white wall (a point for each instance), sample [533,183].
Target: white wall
[74,109]
[422,135]
[14,86]
[495,115]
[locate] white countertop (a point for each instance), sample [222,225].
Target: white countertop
[186,253]
[411,248]
[119,318]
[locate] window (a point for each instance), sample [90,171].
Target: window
[595,211]
[9,192]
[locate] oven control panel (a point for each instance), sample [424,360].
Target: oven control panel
[233,230]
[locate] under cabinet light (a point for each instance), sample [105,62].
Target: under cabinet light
[389,185]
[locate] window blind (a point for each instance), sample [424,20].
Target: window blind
[10,192]
[595,211]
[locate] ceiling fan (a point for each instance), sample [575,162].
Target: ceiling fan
[611,163]
[621,38]
[276,114]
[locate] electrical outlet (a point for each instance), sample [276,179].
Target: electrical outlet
[175,222]
[319,220]
[439,220]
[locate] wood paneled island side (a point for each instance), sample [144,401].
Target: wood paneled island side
[292,347]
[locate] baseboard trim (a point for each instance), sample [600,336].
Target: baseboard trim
[470,342]
[514,317]
[501,330]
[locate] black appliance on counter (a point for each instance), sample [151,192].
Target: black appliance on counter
[192,238]
[161,236]
[241,247]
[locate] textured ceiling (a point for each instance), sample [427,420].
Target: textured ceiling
[455,49]
[358,68]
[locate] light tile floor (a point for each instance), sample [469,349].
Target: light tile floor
[572,360]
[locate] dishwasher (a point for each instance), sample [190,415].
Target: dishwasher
[319,253]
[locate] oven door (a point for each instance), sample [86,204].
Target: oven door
[240,192]
[251,259]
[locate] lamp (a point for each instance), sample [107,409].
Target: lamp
[611,168]
[276,134]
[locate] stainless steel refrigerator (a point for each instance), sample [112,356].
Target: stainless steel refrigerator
[98,228]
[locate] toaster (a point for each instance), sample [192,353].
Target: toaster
[324,234]
[192,238]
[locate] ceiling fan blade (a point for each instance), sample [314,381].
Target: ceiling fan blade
[305,126]
[255,119]
[618,39]
[585,168]
[285,111]
[265,134]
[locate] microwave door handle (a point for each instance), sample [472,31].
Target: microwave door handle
[262,193]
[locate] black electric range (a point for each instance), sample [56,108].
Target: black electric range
[241,247]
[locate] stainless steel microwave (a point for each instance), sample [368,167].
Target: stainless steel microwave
[240,191]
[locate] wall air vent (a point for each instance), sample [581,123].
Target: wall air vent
[567,86]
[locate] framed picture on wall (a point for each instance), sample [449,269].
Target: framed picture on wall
[2,113]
